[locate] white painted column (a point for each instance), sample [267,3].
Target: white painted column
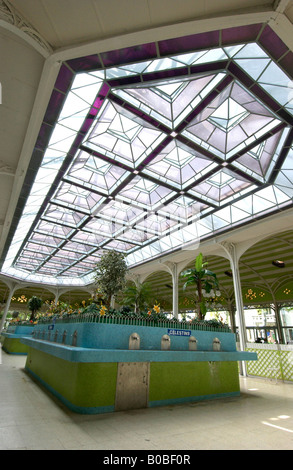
[7,305]
[175,289]
[230,249]
[173,269]
[56,292]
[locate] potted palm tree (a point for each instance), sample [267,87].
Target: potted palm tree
[204,280]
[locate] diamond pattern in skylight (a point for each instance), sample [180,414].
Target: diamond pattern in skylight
[228,115]
[116,136]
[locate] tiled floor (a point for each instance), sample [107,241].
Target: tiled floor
[261,418]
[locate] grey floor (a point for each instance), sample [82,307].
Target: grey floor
[30,419]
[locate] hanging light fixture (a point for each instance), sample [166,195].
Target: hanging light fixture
[278,263]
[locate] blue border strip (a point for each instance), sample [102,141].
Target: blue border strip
[176,401]
[81,354]
[14,353]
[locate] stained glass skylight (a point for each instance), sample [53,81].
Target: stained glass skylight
[154,148]
[228,115]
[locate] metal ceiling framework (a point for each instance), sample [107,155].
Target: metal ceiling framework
[148,148]
[263,282]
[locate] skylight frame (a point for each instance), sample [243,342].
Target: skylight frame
[209,223]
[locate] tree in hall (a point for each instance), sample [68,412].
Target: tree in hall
[110,275]
[34,305]
[205,282]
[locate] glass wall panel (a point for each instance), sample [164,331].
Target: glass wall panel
[261,325]
[286,314]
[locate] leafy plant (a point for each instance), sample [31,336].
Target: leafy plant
[92,308]
[125,310]
[34,304]
[204,280]
[111,274]
[137,296]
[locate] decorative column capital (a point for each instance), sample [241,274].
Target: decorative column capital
[171,266]
[134,278]
[231,250]
[228,247]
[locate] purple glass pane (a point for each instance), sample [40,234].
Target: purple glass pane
[263,96]
[55,104]
[209,67]
[97,104]
[77,141]
[85,63]
[163,74]
[202,132]
[104,91]
[48,227]
[240,74]
[272,43]
[129,54]
[193,42]
[36,255]
[36,160]
[64,78]
[240,34]
[44,136]
[87,124]
[287,63]
[118,82]
[286,116]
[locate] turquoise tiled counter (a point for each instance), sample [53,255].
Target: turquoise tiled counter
[11,339]
[91,369]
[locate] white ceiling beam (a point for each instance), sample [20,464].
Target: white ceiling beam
[160,33]
[281,5]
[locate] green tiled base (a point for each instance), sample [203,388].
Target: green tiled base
[14,346]
[91,387]
[80,386]
[178,380]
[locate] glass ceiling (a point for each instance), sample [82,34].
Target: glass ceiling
[145,154]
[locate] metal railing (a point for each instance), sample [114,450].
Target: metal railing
[137,320]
